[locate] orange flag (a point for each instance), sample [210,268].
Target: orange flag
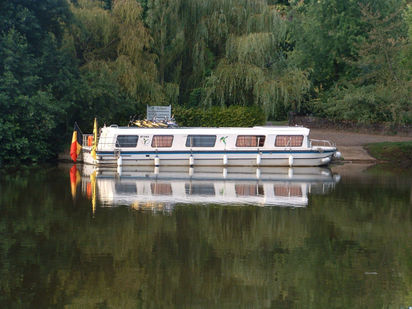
[76,147]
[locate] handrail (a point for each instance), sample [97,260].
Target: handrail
[324,142]
[85,140]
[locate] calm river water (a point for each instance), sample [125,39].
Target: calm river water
[75,237]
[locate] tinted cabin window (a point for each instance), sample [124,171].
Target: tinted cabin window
[289,140]
[162,141]
[250,141]
[127,140]
[200,140]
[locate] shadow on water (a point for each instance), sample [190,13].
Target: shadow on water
[104,239]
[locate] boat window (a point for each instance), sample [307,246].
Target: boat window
[162,141]
[289,141]
[127,140]
[200,140]
[250,141]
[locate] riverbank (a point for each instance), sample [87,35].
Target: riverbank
[398,153]
[353,146]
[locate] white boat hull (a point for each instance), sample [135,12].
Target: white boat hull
[212,159]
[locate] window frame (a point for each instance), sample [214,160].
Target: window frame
[260,140]
[289,142]
[157,146]
[190,138]
[119,145]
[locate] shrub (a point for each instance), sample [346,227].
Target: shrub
[232,116]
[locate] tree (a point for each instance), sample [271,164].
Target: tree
[325,36]
[34,76]
[255,69]
[118,68]
[380,91]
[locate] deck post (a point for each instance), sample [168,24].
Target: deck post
[258,159]
[291,160]
[225,159]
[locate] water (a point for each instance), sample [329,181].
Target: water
[206,238]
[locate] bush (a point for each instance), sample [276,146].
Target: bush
[232,116]
[366,104]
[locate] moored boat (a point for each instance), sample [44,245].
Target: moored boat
[257,146]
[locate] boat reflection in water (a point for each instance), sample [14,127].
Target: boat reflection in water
[162,189]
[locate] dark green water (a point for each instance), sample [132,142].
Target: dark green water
[350,247]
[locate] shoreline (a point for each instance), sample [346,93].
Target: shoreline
[352,145]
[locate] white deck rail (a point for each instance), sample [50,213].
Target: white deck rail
[322,142]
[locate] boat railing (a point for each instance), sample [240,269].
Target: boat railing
[322,142]
[87,140]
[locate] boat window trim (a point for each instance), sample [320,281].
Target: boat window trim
[121,145]
[189,140]
[161,146]
[289,140]
[260,140]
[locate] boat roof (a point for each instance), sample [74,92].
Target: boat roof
[215,131]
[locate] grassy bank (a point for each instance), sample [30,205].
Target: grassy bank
[396,153]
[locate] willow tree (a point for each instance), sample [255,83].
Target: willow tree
[168,43]
[254,69]
[113,45]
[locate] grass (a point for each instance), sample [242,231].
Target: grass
[396,153]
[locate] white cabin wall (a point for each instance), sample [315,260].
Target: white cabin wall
[107,139]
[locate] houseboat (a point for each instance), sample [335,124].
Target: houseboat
[163,188]
[257,146]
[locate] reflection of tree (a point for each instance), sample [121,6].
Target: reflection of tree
[56,254]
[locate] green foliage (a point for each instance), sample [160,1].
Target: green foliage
[399,153]
[380,92]
[116,41]
[368,104]
[325,35]
[35,76]
[247,85]
[232,116]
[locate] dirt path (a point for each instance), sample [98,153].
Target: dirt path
[350,144]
